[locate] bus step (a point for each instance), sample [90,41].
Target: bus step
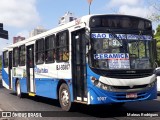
[83,102]
[31,94]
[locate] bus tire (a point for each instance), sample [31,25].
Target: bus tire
[18,89]
[65,97]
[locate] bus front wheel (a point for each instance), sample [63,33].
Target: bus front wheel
[64,97]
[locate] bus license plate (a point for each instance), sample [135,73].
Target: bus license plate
[131,95]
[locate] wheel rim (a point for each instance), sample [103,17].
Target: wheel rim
[18,89]
[65,97]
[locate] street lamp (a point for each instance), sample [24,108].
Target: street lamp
[89,2]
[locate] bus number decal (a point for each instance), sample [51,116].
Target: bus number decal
[63,67]
[101,98]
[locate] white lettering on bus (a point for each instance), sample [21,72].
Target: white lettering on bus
[111,56]
[121,36]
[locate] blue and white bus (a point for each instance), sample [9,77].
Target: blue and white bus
[96,59]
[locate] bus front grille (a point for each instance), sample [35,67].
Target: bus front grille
[122,96]
[128,87]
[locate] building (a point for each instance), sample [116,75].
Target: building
[37,31]
[68,17]
[17,39]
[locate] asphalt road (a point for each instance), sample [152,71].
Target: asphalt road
[49,109]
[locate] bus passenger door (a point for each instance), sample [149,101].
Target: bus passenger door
[79,65]
[30,69]
[10,69]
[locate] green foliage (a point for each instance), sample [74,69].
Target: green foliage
[157,37]
[157,32]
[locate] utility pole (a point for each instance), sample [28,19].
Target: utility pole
[3,33]
[89,2]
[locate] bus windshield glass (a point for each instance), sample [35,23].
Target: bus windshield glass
[121,51]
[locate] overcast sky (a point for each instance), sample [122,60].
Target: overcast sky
[21,16]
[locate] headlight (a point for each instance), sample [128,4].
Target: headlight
[152,84]
[105,87]
[100,84]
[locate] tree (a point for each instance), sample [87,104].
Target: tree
[157,31]
[153,5]
[157,37]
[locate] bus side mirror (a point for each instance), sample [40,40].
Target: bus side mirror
[157,72]
[153,31]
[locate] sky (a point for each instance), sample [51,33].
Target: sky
[19,17]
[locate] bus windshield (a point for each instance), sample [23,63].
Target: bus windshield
[121,51]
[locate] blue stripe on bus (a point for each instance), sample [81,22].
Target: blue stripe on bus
[5,76]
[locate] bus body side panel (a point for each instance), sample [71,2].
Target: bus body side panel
[45,80]
[5,78]
[22,84]
[46,87]
[18,73]
[47,77]
[97,95]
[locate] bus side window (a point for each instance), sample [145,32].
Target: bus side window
[5,59]
[65,55]
[60,56]
[22,55]
[40,51]
[41,58]
[54,55]
[15,56]
[50,56]
[50,48]
[62,50]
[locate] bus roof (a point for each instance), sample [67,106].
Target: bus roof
[74,23]
[49,32]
